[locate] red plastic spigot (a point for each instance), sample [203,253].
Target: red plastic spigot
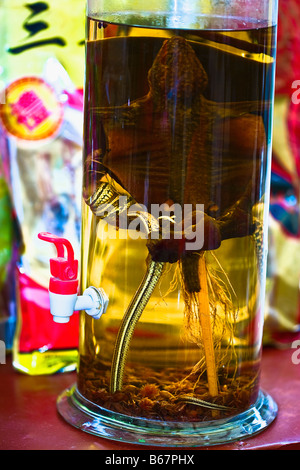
[63,269]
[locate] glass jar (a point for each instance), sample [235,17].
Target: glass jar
[178,123]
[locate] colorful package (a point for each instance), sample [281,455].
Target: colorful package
[282,315]
[8,253]
[41,115]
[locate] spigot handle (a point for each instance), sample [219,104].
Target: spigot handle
[59,243]
[63,269]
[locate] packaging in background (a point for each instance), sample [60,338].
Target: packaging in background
[41,115]
[10,248]
[282,314]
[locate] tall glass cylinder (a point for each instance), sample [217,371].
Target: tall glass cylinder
[178,124]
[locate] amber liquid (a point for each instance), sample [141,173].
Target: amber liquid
[166,358]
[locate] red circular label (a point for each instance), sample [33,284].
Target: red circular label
[31,110]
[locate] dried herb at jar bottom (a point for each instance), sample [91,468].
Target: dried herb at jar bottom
[163,394]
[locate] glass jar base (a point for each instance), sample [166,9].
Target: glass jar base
[93,419]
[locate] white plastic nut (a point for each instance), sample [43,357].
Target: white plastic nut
[94,301]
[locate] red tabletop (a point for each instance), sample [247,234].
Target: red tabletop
[29,420]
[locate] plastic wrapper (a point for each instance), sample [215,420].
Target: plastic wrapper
[282,313]
[10,245]
[41,116]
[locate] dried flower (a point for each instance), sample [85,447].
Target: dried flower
[149,391]
[146,404]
